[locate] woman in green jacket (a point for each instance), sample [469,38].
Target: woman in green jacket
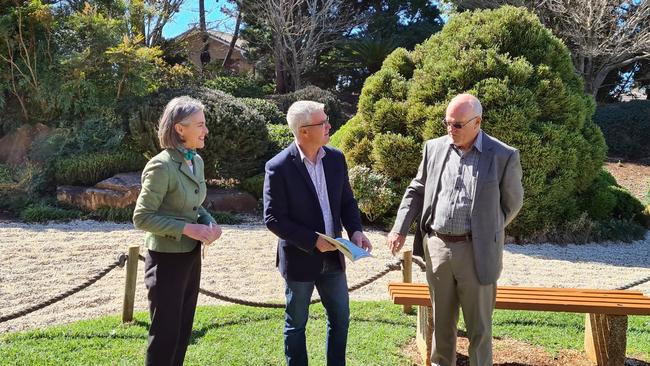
[169,210]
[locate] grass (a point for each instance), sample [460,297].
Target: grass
[238,335]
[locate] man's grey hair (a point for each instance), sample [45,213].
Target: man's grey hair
[178,110]
[473,102]
[300,112]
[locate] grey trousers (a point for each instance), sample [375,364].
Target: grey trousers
[452,283]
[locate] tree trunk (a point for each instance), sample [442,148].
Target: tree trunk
[205,53]
[233,41]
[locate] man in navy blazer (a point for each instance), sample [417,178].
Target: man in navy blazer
[307,191]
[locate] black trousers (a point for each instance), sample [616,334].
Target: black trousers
[173,283]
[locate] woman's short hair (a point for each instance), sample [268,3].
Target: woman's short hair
[299,114]
[178,110]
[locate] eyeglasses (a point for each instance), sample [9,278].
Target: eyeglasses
[457,125]
[327,120]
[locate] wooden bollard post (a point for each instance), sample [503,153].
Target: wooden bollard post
[407,275]
[129,285]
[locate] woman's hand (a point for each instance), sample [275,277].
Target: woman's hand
[203,233]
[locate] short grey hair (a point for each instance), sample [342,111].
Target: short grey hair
[300,112]
[178,110]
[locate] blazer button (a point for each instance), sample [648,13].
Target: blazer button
[196,191]
[194,208]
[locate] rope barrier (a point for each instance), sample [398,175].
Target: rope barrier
[121,259]
[633,284]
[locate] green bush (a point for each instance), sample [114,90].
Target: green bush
[626,127]
[89,169]
[372,191]
[44,213]
[332,104]
[236,144]
[532,99]
[268,110]
[618,230]
[605,200]
[628,207]
[238,86]
[226,218]
[280,136]
[585,230]
[254,185]
[112,214]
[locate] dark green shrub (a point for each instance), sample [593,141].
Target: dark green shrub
[238,86]
[254,185]
[598,201]
[89,169]
[627,206]
[112,214]
[618,230]
[532,99]
[268,110]
[236,144]
[332,104]
[372,191]
[626,127]
[226,218]
[44,213]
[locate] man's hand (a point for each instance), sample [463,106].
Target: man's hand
[323,246]
[360,239]
[395,242]
[202,233]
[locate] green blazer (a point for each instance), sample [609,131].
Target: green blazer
[171,197]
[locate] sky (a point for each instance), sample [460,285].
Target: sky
[189,16]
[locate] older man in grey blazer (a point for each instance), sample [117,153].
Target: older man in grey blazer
[467,189]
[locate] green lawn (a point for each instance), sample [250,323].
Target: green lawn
[238,335]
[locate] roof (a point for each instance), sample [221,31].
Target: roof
[222,37]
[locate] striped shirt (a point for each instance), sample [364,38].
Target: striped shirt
[317,175]
[456,190]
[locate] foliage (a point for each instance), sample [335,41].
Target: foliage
[586,230]
[268,110]
[280,136]
[372,191]
[236,85]
[226,218]
[92,168]
[44,213]
[113,214]
[236,144]
[532,100]
[626,127]
[605,199]
[316,94]
[254,185]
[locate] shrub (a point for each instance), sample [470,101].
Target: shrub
[238,86]
[254,185]
[92,168]
[332,104]
[44,213]
[628,207]
[236,144]
[226,218]
[532,99]
[372,191]
[598,201]
[113,214]
[618,230]
[626,127]
[585,230]
[268,110]
[280,136]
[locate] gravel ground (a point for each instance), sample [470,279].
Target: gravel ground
[42,261]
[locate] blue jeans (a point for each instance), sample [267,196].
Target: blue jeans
[333,290]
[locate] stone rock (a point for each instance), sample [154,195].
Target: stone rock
[15,146]
[122,190]
[230,200]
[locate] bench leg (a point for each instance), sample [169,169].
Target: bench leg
[605,339]
[424,333]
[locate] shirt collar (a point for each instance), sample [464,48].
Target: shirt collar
[478,143]
[303,157]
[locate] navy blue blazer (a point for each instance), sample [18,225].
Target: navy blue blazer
[292,211]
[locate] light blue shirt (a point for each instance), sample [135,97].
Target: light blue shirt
[317,175]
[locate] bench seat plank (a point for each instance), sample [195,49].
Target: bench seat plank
[564,300]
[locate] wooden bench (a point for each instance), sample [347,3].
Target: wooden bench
[605,322]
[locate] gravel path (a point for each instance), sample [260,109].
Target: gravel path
[40,261]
